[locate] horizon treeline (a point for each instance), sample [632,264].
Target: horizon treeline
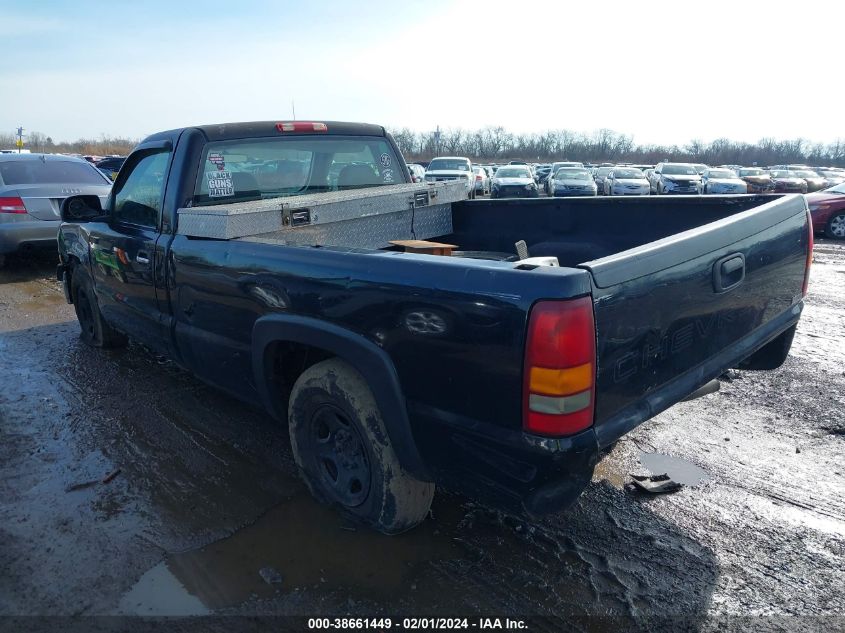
[496,143]
[604,145]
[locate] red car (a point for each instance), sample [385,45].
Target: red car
[828,210]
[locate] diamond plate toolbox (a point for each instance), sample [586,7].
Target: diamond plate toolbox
[301,219]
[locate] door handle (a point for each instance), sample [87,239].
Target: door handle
[728,272]
[142,258]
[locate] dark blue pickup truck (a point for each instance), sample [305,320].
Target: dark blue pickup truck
[397,370]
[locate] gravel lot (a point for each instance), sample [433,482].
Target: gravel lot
[205,513]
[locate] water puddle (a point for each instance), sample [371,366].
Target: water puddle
[297,545]
[678,469]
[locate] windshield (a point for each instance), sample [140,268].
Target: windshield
[628,174]
[601,172]
[513,172]
[721,173]
[252,169]
[804,173]
[751,172]
[679,170]
[572,174]
[448,164]
[37,172]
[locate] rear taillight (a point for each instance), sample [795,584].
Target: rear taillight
[12,205]
[809,254]
[560,368]
[478,177]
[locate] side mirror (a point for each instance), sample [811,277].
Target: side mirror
[81,208]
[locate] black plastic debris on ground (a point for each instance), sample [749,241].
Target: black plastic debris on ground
[656,484]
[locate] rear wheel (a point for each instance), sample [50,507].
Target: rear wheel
[94,330]
[343,452]
[835,228]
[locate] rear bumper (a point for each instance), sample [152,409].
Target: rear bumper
[40,234]
[504,468]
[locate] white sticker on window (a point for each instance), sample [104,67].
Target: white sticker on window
[387,175]
[385,160]
[220,184]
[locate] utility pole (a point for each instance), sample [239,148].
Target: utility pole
[293,108]
[20,139]
[437,141]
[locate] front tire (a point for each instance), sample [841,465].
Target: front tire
[343,452]
[94,330]
[835,228]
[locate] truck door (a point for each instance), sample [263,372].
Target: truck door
[125,252]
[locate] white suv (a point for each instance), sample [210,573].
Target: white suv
[452,168]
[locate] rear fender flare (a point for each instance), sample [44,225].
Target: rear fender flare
[366,357]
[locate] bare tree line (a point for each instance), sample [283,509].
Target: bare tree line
[38,142]
[496,143]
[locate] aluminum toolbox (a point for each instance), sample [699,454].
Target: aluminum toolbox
[363,218]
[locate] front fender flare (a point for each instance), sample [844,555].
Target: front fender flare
[366,357]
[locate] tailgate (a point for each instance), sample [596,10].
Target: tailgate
[676,313]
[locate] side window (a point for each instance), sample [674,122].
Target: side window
[138,201]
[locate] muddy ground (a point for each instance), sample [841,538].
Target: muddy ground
[205,507]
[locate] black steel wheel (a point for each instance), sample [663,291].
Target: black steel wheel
[344,453]
[340,458]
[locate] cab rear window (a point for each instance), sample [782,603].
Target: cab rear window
[253,169]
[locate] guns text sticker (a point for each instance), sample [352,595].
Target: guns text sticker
[220,184]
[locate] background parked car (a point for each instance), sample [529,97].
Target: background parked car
[417,172]
[787,182]
[756,180]
[452,168]
[111,165]
[32,187]
[626,181]
[813,180]
[599,175]
[716,180]
[831,177]
[674,178]
[569,181]
[700,167]
[827,209]
[482,180]
[514,181]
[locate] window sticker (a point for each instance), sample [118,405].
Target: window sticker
[387,175]
[220,184]
[385,160]
[218,160]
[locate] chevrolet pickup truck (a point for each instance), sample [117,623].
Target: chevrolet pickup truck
[394,371]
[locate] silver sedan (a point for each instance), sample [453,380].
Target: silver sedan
[32,188]
[721,181]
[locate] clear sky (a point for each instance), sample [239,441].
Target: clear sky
[665,72]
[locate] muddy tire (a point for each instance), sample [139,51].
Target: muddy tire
[94,331]
[343,452]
